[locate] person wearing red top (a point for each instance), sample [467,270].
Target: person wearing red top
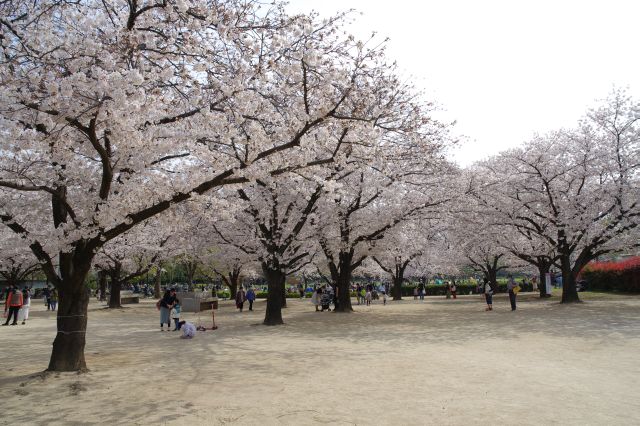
[13,305]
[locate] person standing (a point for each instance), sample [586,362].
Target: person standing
[488,294]
[421,291]
[240,298]
[175,315]
[316,298]
[448,289]
[12,304]
[454,289]
[415,293]
[511,285]
[165,304]
[53,299]
[47,297]
[23,315]
[251,296]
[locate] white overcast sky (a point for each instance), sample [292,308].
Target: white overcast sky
[505,69]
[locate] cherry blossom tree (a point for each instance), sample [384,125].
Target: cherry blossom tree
[368,203]
[538,253]
[474,233]
[576,191]
[404,246]
[16,262]
[270,228]
[130,256]
[112,112]
[224,261]
[520,243]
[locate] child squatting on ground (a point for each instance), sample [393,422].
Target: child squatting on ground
[188,330]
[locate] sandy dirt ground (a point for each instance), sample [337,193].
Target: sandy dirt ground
[443,362]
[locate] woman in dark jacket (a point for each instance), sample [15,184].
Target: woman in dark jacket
[166,303]
[240,298]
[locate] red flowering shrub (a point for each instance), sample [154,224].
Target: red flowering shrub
[613,276]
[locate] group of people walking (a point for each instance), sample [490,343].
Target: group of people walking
[50,296]
[16,305]
[245,296]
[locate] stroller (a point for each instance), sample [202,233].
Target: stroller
[325,301]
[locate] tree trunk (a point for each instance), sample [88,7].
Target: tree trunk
[102,279]
[114,298]
[73,299]
[68,346]
[158,284]
[284,291]
[275,279]
[67,353]
[492,275]
[233,286]
[569,291]
[344,282]
[397,287]
[543,269]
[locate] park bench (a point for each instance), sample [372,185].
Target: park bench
[128,297]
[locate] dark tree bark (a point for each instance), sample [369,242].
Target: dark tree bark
[397,287]
[233,282]
[68,346]
[114,297]
[569,291]
[102,281]
[73,299]
[343,282]
[543,269]
[115,272]
[492,276]
[275,280]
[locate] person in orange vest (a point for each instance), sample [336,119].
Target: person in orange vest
[13,305]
